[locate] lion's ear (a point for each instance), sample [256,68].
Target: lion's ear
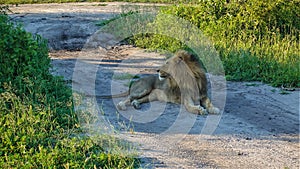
[183,55]
[180,59]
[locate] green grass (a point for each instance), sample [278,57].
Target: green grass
[38,126]
[101,4]
[30,139]
[123,76]
[65,1]
[105,22]
[256,40]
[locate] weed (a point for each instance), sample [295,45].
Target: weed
[252,84]
[284,92]
[38,126]
[123,76]
[105,22]
[100,5]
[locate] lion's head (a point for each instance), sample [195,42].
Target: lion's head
[185,69]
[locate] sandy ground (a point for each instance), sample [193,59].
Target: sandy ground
[258,127]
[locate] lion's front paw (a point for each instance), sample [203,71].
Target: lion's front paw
[202,111]
[214,110]
[121,106]
[136,104]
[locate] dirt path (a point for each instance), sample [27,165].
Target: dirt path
[259,127]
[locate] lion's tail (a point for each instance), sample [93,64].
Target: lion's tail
[124,94]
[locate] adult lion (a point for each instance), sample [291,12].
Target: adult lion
[181,80]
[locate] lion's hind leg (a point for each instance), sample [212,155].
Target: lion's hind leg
[191,107]
[154,95]
[139,97]
[139,93]
[135,98]
[205,101]
[122,105]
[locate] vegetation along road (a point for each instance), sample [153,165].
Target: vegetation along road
[259,123]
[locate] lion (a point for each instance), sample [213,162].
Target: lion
[180,80]
[185,70]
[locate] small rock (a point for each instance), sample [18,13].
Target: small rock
[248,138]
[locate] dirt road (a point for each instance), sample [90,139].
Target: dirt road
[259,126]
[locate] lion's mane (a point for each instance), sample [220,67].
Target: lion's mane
[186,72]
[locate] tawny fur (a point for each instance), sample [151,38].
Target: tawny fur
[184,70]
[181,80]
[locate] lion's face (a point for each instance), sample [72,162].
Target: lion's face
[168,69]
[162,75]
[164,70]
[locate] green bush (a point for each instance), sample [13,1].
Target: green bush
[257,40]
[25,68]
[30,139]
[63,1]
[38,126]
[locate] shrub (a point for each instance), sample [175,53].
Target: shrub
[38,126]
[25,67]
[64,1]
[256,40]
